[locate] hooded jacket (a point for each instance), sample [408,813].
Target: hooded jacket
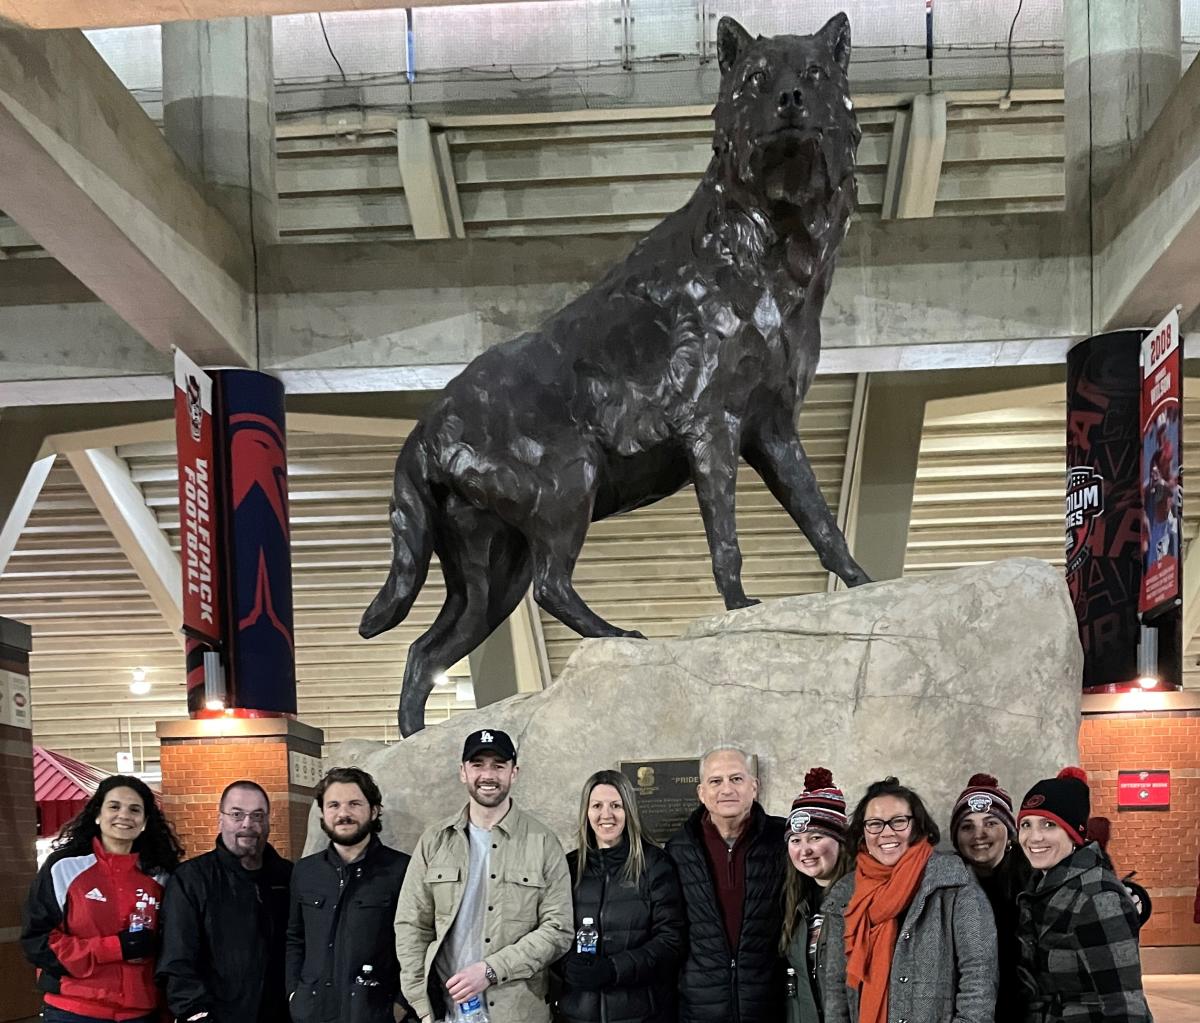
[718,984]
[1079,957]
[223,934]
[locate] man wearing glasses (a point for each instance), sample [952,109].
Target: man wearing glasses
[224,920]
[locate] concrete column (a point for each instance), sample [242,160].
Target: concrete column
[512,659]
[891,441]
[219,115]
[1121,61]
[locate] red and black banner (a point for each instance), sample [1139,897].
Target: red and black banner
[1161,475]
[1103,503]
[199,525]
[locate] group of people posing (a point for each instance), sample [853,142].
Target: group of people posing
[743,917]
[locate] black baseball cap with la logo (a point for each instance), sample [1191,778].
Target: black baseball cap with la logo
[489,740]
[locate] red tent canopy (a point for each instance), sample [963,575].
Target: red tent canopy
[62,786]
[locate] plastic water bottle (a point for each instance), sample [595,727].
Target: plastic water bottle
[366,976]
[139,919]
[587,939]
[792,988]
[472,1011]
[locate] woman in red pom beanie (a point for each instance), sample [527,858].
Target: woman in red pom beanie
[984,831]
[815,841]
[1077,927]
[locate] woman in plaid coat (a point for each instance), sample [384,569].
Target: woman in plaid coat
[1079,958]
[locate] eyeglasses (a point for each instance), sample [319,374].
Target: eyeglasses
[898,824]
[254,816]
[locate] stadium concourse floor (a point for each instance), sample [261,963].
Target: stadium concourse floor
[1174,998]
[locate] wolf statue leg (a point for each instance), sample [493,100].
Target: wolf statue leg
[555,539]
[487,570]
[776,455]
[713,459]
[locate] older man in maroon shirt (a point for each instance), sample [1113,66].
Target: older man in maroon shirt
[731,869]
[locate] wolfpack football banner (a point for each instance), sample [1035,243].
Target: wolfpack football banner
[1161,466]
[198,520]
[1103,502]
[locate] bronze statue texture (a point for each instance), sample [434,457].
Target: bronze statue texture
[696,351]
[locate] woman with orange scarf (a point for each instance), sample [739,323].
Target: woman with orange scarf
[917,930]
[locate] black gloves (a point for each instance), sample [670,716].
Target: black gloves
[138,944]
[589,972]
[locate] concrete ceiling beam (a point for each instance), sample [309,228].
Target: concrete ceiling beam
[122,505]
[1147,226]
[120,13]
[88,175]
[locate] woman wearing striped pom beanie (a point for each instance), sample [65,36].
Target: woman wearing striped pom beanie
[1077,928]
[816,849]
[984,831]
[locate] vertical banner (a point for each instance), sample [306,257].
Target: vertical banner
[199,533]
[1161,467]
[1103,503]
[261,663]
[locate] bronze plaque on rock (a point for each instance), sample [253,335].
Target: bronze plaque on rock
[666,793]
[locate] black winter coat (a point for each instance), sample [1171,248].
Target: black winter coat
[719,984]
[342,918]
[223,933]
[641,931]
[1002,888]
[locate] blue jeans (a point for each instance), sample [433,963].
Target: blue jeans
[53,1014]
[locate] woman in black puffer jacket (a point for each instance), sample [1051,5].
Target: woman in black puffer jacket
[628,887]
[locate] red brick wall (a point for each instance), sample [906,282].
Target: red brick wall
[1162,846]
[18,834]
[195,771]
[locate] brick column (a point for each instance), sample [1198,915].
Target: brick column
[18,823]
[1136,731]
[200,757]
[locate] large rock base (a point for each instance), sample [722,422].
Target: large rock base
[931,679]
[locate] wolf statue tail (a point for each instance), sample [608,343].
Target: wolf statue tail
[412,543]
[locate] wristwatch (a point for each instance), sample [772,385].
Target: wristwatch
[490,974]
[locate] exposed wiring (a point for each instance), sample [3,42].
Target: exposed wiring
[1006,101]
[329,47]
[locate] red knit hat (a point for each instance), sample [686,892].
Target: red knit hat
[983,794]
[820,808]
[1064,799]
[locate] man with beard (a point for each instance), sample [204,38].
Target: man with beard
[487,901]
[224,920]
[343,903]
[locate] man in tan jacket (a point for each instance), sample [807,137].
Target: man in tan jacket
[486,904]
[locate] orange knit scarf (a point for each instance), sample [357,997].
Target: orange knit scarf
[881,895]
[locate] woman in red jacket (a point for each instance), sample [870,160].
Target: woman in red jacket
[90,920]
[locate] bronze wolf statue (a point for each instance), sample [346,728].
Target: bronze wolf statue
[696,350]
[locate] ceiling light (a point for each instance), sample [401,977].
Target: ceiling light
[1147,681]
[139,686]
[139,674]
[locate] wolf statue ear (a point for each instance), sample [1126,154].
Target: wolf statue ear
[732,39]
[837,33]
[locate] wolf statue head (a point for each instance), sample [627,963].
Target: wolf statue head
[785,125]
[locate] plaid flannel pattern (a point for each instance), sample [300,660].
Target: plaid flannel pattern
[1079,948]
